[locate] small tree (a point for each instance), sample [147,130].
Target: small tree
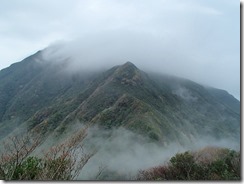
[184,165]
[66,160]
[16,149]
[61,162]
[28,169]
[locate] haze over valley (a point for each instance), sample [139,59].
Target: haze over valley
[120,90]
[129,115]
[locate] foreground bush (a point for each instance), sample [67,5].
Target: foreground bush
[61,162]
[207,164]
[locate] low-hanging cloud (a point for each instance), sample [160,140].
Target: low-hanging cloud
[106,49]
[149,52]
[122,153]
[198,40]
[185,94]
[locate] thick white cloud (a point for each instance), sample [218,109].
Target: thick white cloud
[197,39]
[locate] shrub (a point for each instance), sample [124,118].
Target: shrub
[61,162]
[183,164]
[29,169]
[207,164]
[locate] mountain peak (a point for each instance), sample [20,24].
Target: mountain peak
[129,64]
[128,74]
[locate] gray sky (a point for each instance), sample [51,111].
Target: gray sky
[196,39]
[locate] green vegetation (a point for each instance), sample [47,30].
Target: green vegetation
[29,169]
[60,162]
[34,168]
[32,95]
[66,160]
[46,97]
[223,165]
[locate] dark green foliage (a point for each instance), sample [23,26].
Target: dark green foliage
[153,136]
[29,169]
[34,168]
[185,166]
[227,167]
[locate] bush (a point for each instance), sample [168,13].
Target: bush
[29,169]
[183,165]
[225,165]
[61,162]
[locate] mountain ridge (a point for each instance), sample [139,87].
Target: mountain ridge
[162,108]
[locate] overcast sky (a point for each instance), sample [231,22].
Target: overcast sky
[196,39]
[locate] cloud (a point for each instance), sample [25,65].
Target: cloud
[185,94]
[122,153]
[171,35]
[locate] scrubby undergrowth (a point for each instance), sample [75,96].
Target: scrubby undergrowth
[210,163]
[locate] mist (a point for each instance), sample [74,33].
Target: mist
[199,40]
[149,52]
[120,153]
[185,94]
[107,49]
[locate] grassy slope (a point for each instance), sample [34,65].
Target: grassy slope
[122,96]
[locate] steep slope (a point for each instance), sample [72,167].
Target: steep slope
[225,98]
[13,78]
[163,108]
[32,86]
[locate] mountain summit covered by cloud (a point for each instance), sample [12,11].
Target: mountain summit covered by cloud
[127,118]
[199,40]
